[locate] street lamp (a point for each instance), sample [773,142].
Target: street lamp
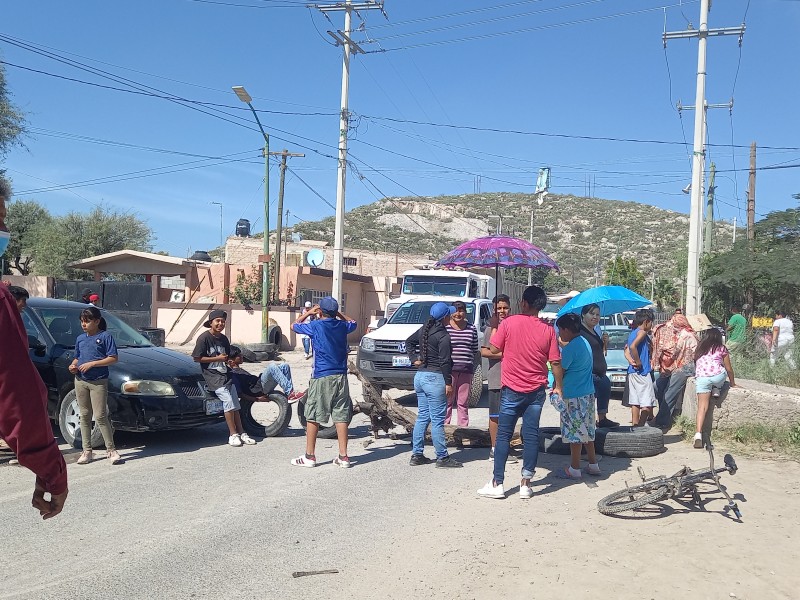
[221,230]
[242,94]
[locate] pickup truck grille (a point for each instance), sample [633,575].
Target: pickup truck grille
[390,346]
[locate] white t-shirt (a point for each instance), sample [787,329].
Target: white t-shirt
[785,330]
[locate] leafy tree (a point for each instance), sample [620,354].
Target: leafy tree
[625,272]
[76,236]
[769,268]
[665,294]
[12,121]
[24,217]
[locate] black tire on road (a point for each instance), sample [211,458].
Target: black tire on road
[267,419]
[69,423]
[623,442]
[248,355]
[326,432]
[629,442]
[633,498]
[476,387]
[262,356]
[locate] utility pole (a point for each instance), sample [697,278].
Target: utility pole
[530,239]
[221,231]
[734,231]
[709,212]
[284,154]
[751,198]
[499,222]
[343,39]
[693,290]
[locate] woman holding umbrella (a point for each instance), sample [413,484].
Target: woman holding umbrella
[590,318]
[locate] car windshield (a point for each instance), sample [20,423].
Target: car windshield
[551,307]
[416,313]
[617,338]
[65,326]
[428,285]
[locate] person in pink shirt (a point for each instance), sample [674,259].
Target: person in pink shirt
[24,424]
[527,344]
[712,362]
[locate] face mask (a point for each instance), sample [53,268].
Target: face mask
[5,237]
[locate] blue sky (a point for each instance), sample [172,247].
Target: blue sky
[563,68]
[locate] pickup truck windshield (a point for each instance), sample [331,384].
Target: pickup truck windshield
[417,313]
[426,285]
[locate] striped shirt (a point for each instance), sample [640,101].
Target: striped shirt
[464,343]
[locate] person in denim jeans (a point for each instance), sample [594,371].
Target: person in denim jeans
[527,344]
[429,350]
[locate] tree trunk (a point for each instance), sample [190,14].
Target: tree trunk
[385,414]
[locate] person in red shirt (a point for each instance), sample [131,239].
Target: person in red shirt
[527,344]
[24,424]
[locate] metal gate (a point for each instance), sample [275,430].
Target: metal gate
[129,300]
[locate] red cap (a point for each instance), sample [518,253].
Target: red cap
[94,298]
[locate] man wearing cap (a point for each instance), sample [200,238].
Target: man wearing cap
[211,350]
[328,393]
[86,296]
[94,300]
[24,423]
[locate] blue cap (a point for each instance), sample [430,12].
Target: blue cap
[440,310]
[329,305]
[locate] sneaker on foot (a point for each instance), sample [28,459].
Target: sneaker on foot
[295,396]
[419,459]
[344,463]
[235,440]
[246,439]
[570,473]
[593,469]
[85,458]
[113,457]
[698,440]
[448,462]
[307,356]
[525,492]
[304,461]
[606,422]
[490,490]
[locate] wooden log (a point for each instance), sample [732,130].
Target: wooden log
[385,413]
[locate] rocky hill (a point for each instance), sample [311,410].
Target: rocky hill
[581,234]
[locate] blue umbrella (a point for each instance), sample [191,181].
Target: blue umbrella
[611,299]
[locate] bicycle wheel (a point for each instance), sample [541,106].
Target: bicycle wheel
[633,497]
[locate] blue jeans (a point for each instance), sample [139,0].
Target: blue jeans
[279,373]
[602,391]
[514,405]
[306,344]
[673,392]
[432,406]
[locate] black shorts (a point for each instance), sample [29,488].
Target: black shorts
[494,403]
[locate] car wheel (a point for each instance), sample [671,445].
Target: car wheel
[267,419]
[476,387]
[326,432]
[625,442]
[69,423]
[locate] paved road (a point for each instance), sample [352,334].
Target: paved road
[189,517]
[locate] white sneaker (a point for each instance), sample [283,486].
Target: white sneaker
[698,440]
[235,440]
[246,439]
[492,491]
[525,492]
[302,461]
[593,469]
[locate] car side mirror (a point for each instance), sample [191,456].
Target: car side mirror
[381,322]
[36,345]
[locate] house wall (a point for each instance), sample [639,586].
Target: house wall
[37,285]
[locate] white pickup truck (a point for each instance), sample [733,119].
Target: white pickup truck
[382,355]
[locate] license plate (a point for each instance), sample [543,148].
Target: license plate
[213,407]
[401,361]
[618,378]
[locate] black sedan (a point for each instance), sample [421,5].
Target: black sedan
[150,388]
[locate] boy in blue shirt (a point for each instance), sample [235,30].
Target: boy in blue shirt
[328,393]
[577,408]
[642,394]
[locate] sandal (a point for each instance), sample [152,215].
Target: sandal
[114,457]
[85,458]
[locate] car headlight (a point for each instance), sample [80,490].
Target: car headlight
[368,344]
[145,387]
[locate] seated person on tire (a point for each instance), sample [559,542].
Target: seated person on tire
[257,389]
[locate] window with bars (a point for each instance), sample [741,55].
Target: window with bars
[314,296]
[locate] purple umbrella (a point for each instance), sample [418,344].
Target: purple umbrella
[497,251]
